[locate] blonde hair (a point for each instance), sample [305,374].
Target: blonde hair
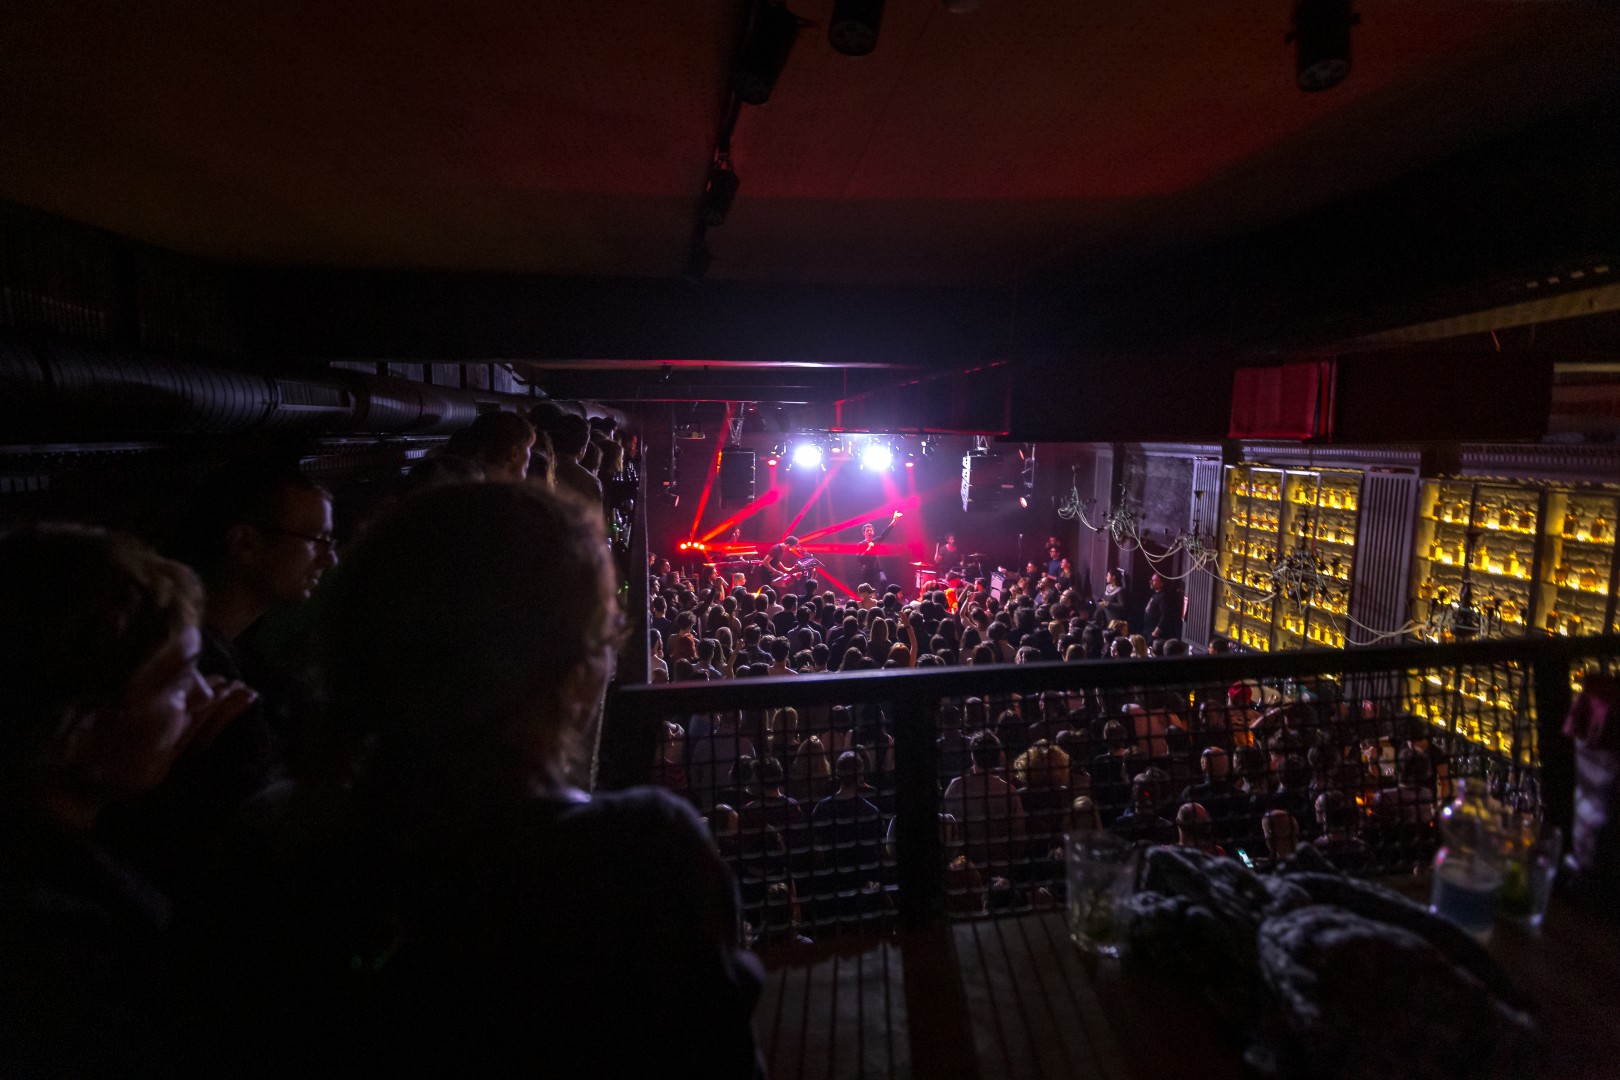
[1139,646]
[1042,765]
[811,761]
[1083,815]
[786,719]
[810,773]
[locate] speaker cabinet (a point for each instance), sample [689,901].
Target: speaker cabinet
[736,477]
[991,482]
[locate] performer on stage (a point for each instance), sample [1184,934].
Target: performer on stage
[787,567]
[946,554]
[776,565]
[871,566]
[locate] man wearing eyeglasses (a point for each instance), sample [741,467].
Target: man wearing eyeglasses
[260,537]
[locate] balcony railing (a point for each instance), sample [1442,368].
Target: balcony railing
[852,802]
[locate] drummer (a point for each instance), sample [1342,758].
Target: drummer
[946,554]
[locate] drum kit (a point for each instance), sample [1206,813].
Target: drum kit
[968,570]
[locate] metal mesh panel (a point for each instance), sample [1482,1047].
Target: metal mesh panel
[815,786]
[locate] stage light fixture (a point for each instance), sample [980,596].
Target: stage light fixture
[720,191]
[807,455]
[1321,38]
[877,457]
[765,53]
[853,28]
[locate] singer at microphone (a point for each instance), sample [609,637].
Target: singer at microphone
[871,566]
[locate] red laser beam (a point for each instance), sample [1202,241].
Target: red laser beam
[874,515]
[772,496]
[849,523]
[821,487]
[839,585]
[856,548]
[714,471]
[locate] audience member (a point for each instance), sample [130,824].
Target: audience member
[518,890]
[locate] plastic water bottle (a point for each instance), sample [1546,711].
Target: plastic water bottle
[1468,867]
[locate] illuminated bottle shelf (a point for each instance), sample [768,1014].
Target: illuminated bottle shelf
[1269,515]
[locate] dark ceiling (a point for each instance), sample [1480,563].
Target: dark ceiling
[573,138]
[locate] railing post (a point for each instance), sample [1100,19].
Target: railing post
[1550,671]
[920,854]
[636,659]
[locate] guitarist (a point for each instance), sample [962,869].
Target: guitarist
[871,566]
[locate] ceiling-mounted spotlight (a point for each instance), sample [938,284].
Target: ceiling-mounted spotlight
[877,457]
[853,28]
[807,455]
[765,53]
[720,190]
[1321,38]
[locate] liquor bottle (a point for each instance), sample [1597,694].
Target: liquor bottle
[1462,553]
[1482,556]
[1450,514]
[1572,522]
[1493,516]
[1434,550]
[1513,567]
[1600,527]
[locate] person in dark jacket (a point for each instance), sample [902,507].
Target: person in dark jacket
[871,564]
[477,914]
[1162,620]
[99,695]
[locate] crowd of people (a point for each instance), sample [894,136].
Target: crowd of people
[271,813]
[268,811]
[801,798]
